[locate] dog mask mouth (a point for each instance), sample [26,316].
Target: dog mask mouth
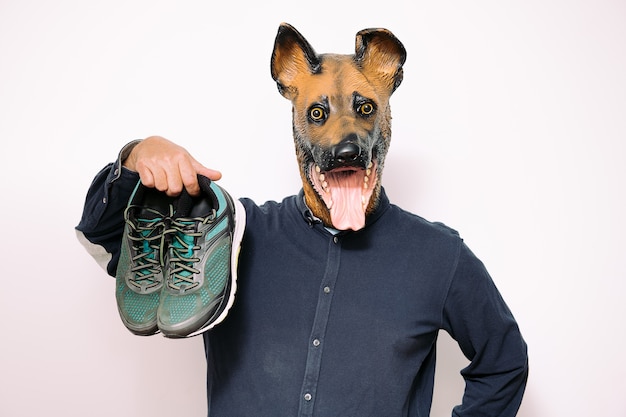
[346,191]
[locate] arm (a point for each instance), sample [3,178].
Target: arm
[158,163]
[477,317]
[102,222]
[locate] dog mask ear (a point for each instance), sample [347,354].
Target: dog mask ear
[380,52]
[292,55]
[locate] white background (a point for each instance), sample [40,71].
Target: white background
[510,127]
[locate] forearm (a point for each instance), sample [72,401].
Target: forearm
[480,321]
[102,222]
[498,394]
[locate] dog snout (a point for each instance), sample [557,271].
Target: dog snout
[349,153]
[346,153]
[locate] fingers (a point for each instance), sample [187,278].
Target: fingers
[189,175]
[163,165]
[211,174]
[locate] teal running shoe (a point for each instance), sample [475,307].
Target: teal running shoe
[140,273]
[203,248]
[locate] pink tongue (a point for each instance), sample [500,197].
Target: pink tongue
[347,211]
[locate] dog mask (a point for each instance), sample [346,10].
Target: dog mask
[341,119]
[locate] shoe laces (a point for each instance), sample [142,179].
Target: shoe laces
[183,247]
[147,237]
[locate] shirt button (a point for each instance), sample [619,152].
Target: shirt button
[336,239]
[316,342]
[307,397]
[326,290]
[104,200]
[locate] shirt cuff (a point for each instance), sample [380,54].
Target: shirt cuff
[121,158]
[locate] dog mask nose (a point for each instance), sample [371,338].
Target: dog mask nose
[346,153]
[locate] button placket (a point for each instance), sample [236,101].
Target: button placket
[316,341]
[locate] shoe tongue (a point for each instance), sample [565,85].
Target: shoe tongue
[184,205]
[154,206]
[148,215]
[347,210]
[200,206]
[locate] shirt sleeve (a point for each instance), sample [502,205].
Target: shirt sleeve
[477,317]
[102,223]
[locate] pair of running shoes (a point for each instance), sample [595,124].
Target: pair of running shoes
[177,273]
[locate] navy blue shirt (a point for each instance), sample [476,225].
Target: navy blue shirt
[342,325]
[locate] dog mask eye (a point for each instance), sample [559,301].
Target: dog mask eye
[365,109]
[317,114]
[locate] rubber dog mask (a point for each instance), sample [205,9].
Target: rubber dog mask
[341,119]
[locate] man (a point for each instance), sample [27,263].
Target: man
[332,321]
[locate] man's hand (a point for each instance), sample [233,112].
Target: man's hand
[163,165]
